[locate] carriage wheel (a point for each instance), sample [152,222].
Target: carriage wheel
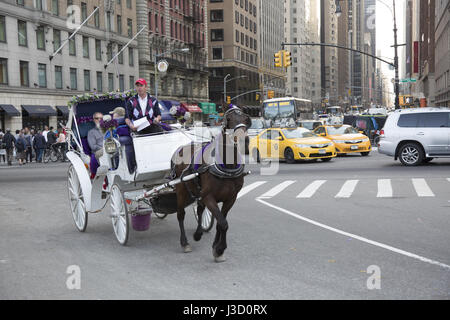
[160,215]
[207,218]
[76,199]
[119,215]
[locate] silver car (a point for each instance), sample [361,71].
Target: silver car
[416,136]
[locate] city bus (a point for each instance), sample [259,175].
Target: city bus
[287,109]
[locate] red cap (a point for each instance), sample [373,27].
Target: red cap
[141,81]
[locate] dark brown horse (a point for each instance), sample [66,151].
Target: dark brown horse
[221,178]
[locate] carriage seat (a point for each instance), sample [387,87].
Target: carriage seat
[84,130]
[123,131]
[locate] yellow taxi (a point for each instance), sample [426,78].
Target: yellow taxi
[346,139]
[290,144]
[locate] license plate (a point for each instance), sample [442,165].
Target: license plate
[322,151]
[354,148]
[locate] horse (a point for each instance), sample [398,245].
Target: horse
[216,182]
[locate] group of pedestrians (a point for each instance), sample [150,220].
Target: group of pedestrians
[30,144]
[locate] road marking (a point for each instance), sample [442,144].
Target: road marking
[354,236]
[276,190]
[309,191]
[249,188]
[384,188]
[347,189]
[422,188]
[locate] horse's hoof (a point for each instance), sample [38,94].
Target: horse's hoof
[220,259]
[187,249]
[215,255]
[197,236]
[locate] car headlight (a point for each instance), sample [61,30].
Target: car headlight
[365,139]
[302,145]
[339,141]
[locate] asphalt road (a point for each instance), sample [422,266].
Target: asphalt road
[312,231]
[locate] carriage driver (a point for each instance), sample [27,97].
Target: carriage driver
[143,105]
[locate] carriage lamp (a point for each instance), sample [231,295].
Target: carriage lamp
[110,146]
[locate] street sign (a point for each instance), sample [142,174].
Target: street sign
[163,65]
[407,80]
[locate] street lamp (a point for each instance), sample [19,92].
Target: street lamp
[396,45]
[185,50]
[225,81]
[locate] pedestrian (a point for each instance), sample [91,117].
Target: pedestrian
[51,139]
[28,148]
[39,145]
[2,147]
[61,143]
[33,150]
[44,133]
[21,146]
[9,142]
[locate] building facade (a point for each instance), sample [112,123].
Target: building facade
[171,26]
[442,53]
[233,42]
[38,87]
[344,56]
[271,22]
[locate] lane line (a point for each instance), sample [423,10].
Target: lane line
[347,189]
[422,188]
[354,236]
[310,190]
[249,188]
[384,188]
[277,189]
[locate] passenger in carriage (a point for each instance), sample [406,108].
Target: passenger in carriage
[95,136]
[143,105]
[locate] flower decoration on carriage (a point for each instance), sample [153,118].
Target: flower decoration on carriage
[94,96]
[180,113]
[108,123]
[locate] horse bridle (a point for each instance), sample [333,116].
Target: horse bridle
[228,112]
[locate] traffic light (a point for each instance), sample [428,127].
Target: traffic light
[286,59]
[270,94]
[257,97]
[228,99]
[278,59]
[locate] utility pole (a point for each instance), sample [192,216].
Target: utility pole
[397,80]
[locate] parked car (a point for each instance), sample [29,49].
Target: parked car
[291,144]
[310,124]
[346,139]
[416,136]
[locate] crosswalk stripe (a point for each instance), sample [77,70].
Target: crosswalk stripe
[347,189]
[422,188]
[384,188]
[249,188]
[276,190]
[309,191]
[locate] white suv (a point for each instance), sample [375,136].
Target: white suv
[416,136]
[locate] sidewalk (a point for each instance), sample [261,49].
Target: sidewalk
[15,164]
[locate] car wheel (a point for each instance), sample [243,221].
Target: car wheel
[411,154]
[326,159]
[427,160]
[256,155]
[289,155]
[365,154]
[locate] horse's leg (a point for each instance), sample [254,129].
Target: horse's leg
[222,241]
[183,240]
[199,232]
[221,227]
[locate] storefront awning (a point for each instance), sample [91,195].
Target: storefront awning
[39,111]
[10,110]
[192,107]
[63,110]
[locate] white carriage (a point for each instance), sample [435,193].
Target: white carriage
[134,193]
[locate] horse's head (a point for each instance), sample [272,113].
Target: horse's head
[235,119]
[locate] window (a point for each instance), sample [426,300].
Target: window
[40,38]
[129,4]
[217,53]
[109,53]
[56,40]
[85,47]
[120,57]
[110,82]
[55,7]
[38,4]
[216,15]
[20,2]
[3,71]
[130,57]
[73,78]
[96,18]
[130,27]
[83,11]
[99,81]
[98,49]
[408,120]
[87,80]
[2,29]
[22,33]
[72,47]
[121,83]
[42,75]
[131,83]
[24,79]
[434,120]
[58,77]
[237,36]
[217,35]
[108,21]
[119,24]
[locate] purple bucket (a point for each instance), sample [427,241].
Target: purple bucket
[141,222]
